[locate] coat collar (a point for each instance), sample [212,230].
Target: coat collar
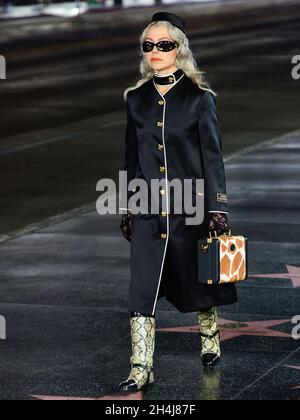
[180,75]
[167,79]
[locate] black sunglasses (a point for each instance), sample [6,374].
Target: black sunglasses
[164,46]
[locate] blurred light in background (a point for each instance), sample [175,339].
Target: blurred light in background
[30,8]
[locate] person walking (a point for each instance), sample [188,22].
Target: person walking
[172,132]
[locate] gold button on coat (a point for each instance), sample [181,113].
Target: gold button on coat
[160,146]
[161,102]
[163,213]
[163,235]
[159,124]
[162,169]
[162,192]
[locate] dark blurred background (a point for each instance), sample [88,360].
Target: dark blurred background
[68,63]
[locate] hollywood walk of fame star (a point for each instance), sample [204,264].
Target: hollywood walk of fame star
[293,274]
[232,329]
[294,367]
[229,330]
[135,396]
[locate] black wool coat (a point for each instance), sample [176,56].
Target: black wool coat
[168,136]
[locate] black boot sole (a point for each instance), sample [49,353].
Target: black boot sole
[144,388]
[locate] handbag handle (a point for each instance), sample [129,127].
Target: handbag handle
[216,233]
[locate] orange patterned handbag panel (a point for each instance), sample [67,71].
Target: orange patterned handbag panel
[232,258]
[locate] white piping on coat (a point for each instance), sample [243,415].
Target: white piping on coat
[167,189]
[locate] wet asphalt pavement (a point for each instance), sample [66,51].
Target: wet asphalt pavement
[63,113]
[64,286]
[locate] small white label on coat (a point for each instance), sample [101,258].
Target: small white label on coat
[222,197]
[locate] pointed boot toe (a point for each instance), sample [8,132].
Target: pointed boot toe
[210,360]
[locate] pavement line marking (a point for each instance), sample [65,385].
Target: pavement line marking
[47,222]
[89,207]
[266,373]
[17,149]
[111,124]
[35,144]
[250,149]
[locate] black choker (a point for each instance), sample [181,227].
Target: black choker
[167,79]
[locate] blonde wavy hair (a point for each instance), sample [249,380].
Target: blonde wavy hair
[185,59]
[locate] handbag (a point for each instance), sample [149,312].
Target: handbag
[222,259]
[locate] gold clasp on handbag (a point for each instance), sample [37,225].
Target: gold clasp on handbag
[204,247]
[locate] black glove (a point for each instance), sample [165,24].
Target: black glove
[126,225]
[219,223]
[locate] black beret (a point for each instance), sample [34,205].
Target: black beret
[170,17]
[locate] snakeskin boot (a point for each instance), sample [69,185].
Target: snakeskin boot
[210,337]
[141,362]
